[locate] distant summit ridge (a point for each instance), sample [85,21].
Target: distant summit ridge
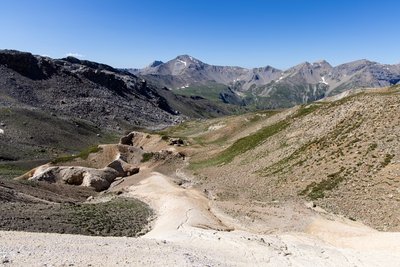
[268,87]
[155,63]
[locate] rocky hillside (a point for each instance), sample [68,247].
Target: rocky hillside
[96,92]
[268,87]
[82,89]
[53,106]
[341,155]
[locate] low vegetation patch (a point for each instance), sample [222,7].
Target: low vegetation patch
[147,156]
[317,190]
[283,163]
[118,217]
[83,155]
[305,110]
[164,137]
[211,92]
[10,171]
[386,160]
[372,147]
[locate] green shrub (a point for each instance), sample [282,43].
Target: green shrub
[317,190]
[305,110]
[387,160]
[147,156]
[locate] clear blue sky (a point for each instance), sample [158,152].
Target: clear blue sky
[247,33]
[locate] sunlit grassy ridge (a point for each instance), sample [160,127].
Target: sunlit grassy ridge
[251,141]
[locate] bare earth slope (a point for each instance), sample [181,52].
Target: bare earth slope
[342,155]
[188,232]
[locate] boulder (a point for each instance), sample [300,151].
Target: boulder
[117,165]
[71,175]
[127,139]
[94,181]
[123,168]
[132,139]
[176,142]
[131,170]
[49,174]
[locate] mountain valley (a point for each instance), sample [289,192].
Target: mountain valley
[100,166]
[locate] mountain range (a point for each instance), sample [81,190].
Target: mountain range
[51,98]
[97,92]
[267,87]
[51,106]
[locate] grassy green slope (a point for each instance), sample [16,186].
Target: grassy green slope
[211,91]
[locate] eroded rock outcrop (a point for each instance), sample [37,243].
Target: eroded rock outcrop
[123,168]
[99,179]
[127,139]
[176,142]
[112,162]
[132,139]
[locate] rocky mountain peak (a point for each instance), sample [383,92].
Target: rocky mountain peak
[322,63]
[155,63]
[267,68]
[187,59]
[354,66]
[26,64]
[305,82]
[304,66]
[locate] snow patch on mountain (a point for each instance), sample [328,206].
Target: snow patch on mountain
[323,80]
[183,62]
